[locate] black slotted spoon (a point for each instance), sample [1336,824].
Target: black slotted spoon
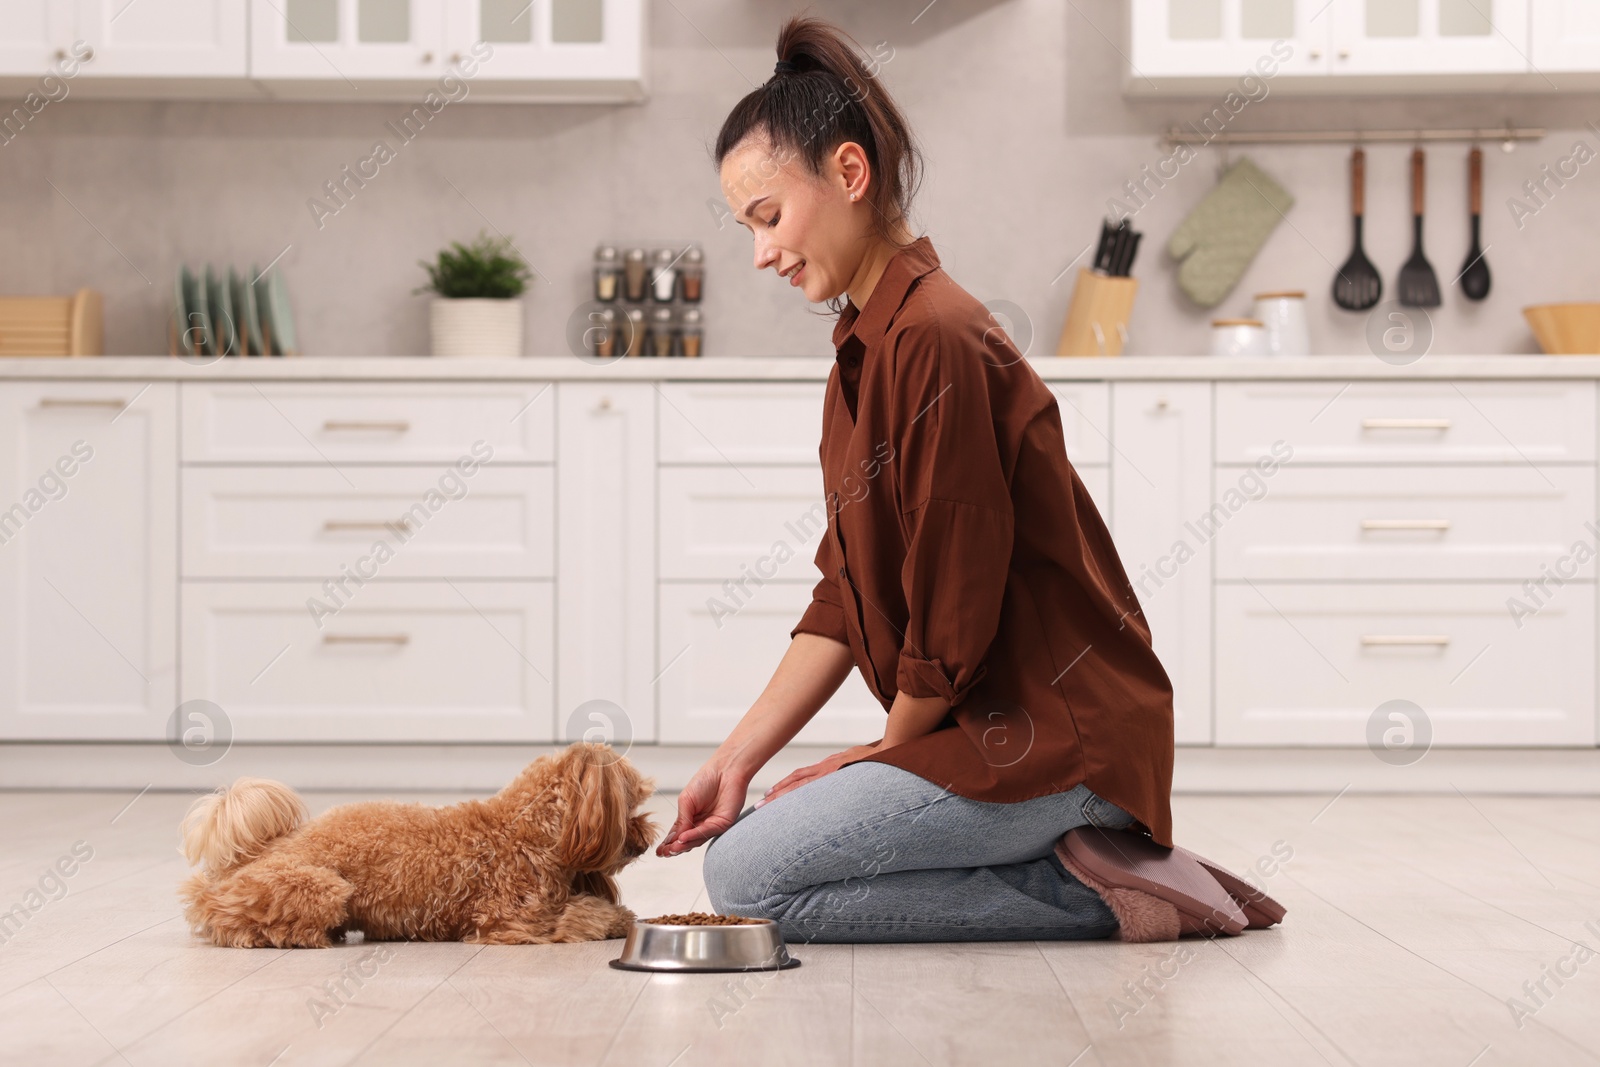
[1358,285]
[1475,275]
[1419,285]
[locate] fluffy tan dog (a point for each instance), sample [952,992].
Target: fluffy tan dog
[535,863]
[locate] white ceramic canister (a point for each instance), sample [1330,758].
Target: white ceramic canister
[1284,316]
[1238,337]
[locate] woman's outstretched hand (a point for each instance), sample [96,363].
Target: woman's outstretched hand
[707,806]
[800,777]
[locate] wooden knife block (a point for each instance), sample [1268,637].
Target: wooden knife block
[1097,319]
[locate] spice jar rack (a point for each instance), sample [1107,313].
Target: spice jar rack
[649,301]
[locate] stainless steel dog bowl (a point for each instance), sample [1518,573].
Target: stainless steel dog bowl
[752,946]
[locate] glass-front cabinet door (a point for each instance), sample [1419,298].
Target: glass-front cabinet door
[1431,36]
[581,41]
[348,40]
[1226,38]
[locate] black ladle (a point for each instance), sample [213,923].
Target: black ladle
[1475,275]
[1358,285]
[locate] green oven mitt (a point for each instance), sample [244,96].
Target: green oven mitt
[1226,230]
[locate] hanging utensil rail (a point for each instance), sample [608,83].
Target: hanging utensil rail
[1506,135]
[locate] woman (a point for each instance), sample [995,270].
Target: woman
[965,572]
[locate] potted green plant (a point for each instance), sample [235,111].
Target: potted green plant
[477,310]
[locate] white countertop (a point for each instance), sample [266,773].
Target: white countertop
[796,368]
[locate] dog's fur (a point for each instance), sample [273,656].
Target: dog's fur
[534,864]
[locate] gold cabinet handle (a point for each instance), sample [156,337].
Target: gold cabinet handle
[82,402]
[335,525]
[391,426]
[1405,639]
[1405,524]
[366,639]
[1405,424]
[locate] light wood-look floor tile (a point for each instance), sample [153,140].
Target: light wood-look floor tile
[1414,924]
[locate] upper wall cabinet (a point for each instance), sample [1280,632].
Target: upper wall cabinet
[1224,38]
[569,50]
[1350,46]
[1429,36]
[1565,37]
[32,32]
[167,39]
[346,40]
[337,50]
[592,42]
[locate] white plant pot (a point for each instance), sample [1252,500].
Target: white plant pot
[476,328]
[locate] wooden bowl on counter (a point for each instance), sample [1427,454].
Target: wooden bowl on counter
[1565,329]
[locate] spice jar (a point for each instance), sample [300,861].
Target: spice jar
[607,274]
[692,270]
[633,274]
[664,276]
[603,334]
[661,332]
[689,330]
[634,338]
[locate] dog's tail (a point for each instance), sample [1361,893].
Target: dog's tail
[233,825]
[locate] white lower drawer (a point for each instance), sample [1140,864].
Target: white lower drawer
[402,661]
[1514,422]
[1401,523]
[1314,664]
[389,522]
[337,423]
[718,653]
[721,523]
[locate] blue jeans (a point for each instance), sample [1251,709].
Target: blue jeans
[874,853]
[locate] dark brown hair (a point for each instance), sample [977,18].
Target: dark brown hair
[827,98]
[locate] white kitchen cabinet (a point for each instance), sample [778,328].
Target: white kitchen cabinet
[1085,409]
[1468,523]
[1225,38]
[735,423]
[32,32]
[567,50]
[750,524]
[376,522]
[1336,46]
[1565,36]
[332,425]
[1303,664]
[1429,37]
[1161,500]
[345,41]
[606,561]
[1523,423]
[718,652]
[597,41]
[445,661]
[88,560]
[165,38]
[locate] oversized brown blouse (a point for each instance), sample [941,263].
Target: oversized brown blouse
[963,558]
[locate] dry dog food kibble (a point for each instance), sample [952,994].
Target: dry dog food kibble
[700,918]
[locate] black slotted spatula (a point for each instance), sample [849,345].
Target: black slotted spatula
[1357,286]
[1419,285]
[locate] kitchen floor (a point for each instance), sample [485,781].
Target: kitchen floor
[1421,930]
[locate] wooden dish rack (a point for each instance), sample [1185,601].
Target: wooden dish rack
[52,325]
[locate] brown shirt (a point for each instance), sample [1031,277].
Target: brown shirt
[964,558]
